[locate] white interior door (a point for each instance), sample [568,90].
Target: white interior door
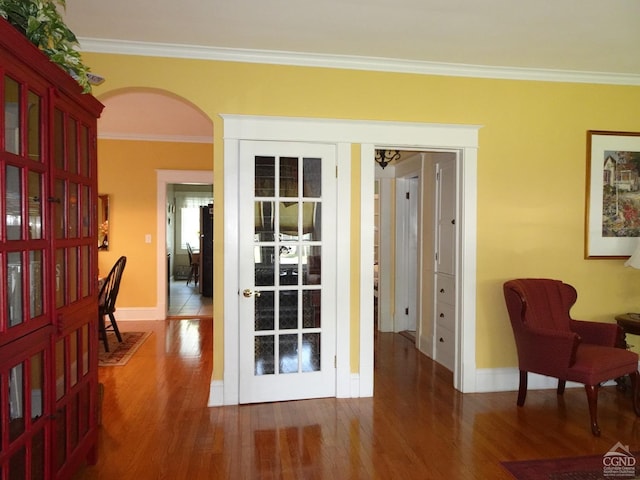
[287,271]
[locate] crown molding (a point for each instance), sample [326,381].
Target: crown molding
[352,62]
[141,137]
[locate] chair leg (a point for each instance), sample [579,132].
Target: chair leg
[561,385]
[102,330]
[635,385]
[115,327]
[592,399]
[522,390]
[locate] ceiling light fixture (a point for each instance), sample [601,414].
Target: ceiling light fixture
[385,157]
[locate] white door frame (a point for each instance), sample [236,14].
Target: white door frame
[163,179]
[344,133]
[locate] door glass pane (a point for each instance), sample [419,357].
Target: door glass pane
[264,267]
[84,151]
[60,433]
[265,177]
[14,288]
[37,385]
[58,139]
[35,206]
[73,358]
[16,401]
[310,352]
[13,199]
[35,283]
[61,378]
[288,350]
[61,278]
[265,355]
[312,178]
[58,209]
[312,265]
[288,315]
[288,177]
[264,311]
[37,456]
[73,211]
[17,467]
[12,115]
[311,309]
[264,217]
[85,349]
[72,146]
[33,126]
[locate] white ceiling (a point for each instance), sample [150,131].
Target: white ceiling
[570,36]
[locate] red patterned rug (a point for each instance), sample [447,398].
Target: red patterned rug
[120,352]
[592,467]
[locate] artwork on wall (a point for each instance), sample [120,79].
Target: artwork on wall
[612,223]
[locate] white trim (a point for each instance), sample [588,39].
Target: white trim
[164,178]
[403,135]
[154,137]
[508,379]
[216,394]
[351,62]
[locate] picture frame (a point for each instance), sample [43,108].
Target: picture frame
[612,214]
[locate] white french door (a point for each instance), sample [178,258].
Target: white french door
[287,271]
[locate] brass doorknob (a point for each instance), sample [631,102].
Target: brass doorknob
[247,292]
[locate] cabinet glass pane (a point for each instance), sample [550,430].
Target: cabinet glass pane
[33,126]
[58,139]
[11,115]
[16,401]
[58,209]
[84,151]
[73,358]
[72,146]
[35,205]
[13,202]
[61,379]
[84,271]
[61,278]
[37,385]
[86,215]
[73,211]
[35,283]
[72,274]
[15,312]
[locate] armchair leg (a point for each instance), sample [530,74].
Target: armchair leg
[592,399]
[561,385]
[522,390]
[635,384]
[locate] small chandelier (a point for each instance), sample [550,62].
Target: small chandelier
[385,157]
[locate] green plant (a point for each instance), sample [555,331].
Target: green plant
[42,23]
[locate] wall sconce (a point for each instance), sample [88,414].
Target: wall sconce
[385,157]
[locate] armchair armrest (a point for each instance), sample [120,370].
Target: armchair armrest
[547,352]
[597,333]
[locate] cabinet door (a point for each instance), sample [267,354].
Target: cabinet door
[74,232]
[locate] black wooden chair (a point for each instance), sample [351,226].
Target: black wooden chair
[107,302]
[194,266]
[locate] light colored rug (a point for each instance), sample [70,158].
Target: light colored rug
[120,352]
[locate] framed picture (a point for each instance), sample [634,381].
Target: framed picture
[612,223]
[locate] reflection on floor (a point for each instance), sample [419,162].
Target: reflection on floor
[186,301]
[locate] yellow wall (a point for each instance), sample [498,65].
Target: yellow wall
[531,163]
[126,171]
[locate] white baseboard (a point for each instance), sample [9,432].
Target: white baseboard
[216,394]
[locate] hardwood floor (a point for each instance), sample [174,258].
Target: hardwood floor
[156,424]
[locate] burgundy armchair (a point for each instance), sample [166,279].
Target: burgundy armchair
[549,342]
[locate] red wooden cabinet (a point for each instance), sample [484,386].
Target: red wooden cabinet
[48,266]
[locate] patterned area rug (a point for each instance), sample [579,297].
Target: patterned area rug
[573,468]
[120,353]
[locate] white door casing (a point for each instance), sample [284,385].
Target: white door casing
[343,133]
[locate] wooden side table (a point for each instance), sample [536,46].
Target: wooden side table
[630,323]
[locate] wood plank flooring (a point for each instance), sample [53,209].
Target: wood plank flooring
[156,424]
